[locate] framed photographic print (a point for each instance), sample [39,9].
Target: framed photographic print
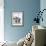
[17,18]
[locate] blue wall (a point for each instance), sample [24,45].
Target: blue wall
[29,7]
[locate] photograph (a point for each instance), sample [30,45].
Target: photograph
[17,18]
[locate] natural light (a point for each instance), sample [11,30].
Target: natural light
[1,25]
[1,21]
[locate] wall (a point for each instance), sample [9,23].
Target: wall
[1,20]
[29,7]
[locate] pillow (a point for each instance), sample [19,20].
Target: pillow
[21,42]
[28,39]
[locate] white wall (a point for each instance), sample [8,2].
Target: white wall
[1,20]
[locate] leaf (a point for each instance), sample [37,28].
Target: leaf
[42,19]
[34,19]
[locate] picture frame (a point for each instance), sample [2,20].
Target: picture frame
[17,18]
